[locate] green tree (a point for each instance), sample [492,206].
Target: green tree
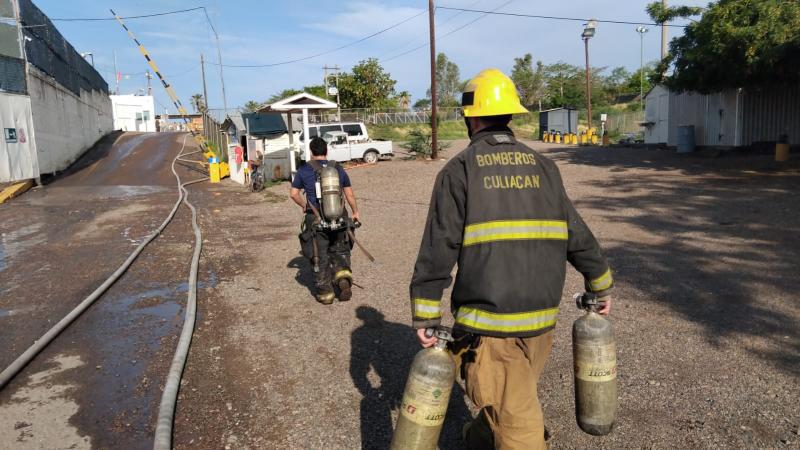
[632,84]
[423,103]
[448,82]
[735,43]
[530,82]
[368,86]
[617,82]
[283,94]
[403,100]
[250,106]
[198,103]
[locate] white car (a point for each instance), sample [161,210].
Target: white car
[341,149]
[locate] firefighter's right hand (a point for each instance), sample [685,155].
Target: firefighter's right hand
[424,340]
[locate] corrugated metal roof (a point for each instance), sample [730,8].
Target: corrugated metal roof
[264,124]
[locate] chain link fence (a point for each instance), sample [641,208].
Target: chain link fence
[379,116]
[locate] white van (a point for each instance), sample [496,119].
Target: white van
[356,131]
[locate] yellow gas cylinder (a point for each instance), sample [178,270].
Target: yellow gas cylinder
[584,139]
[558,138]
[213,170]
[545,136]
[574,139]
[593,139]
[224,170]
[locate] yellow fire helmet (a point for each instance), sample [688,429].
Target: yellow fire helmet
[491,93]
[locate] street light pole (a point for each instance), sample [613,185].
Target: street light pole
[434,140]
[588,33]
[641,30]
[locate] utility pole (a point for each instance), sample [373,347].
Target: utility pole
[434,140]
[149,77]
[664,29]
[116,74]
[205,91]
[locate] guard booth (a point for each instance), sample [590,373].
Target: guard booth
[297,104]
[558,120]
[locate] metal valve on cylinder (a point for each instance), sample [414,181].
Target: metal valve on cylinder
[595,362]
[426,396]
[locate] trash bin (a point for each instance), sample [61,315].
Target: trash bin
[686,139]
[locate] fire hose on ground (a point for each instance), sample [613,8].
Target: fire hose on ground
[163,436]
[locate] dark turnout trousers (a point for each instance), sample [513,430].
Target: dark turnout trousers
[333,250]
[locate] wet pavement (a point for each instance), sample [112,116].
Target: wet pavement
[98,384]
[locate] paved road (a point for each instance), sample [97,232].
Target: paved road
[97,385]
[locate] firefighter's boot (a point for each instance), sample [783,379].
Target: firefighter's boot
[346,290]
[326,298]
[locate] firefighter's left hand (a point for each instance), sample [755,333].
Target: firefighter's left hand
[606,302]
[356,217]
[425,341]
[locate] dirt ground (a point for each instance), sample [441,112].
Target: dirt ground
[703,248]
[707,327]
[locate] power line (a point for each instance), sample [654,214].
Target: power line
[325,52]
[439,24]
[143,16]
[449,32]
[575,19]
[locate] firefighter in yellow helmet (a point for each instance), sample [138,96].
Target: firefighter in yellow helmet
[499,210]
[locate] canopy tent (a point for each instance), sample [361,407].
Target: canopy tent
[299,103]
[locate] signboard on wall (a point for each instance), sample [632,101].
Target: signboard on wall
[18,157]
[11,135]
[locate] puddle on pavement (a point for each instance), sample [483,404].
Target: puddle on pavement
[6,312]
[16,242]
[128,331]
[69,194]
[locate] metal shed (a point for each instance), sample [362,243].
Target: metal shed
[562,120]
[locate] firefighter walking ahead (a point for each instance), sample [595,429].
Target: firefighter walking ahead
[326,229]
[500,210]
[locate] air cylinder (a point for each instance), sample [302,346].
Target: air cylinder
[426,396]
[595,362]
[331,190]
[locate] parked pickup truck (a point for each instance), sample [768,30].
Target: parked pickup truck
[341,149]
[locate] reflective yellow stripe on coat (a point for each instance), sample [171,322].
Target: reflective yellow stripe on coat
[602,282]
[514,230]
[425,308]
[506,323]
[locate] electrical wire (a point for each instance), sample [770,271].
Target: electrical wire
[142,16]
[449,32]
[575,19]
[305,58]
[402,47]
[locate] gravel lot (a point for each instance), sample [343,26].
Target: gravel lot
[704,250]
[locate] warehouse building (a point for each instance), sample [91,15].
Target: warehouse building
[730,118]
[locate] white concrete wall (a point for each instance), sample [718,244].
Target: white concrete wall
[129,111]
[66,125]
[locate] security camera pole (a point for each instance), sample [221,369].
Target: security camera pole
[434,144]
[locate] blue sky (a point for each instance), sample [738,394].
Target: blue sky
[268,31]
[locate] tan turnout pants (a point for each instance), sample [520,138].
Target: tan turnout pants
[501,377]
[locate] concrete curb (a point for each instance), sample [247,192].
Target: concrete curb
[15,190]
